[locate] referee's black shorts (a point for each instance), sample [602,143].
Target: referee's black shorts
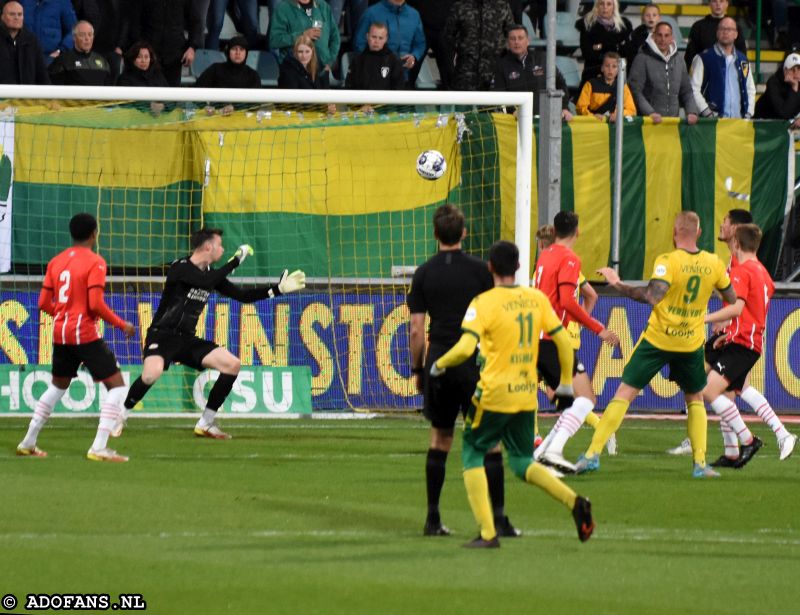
[733,362]
[96,356]
[451,393]
[177,348]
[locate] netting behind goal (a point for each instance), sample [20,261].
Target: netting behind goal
[336,195]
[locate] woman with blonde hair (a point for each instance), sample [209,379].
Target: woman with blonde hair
[301,69]
[603,29]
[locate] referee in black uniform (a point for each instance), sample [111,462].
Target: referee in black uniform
[443,287]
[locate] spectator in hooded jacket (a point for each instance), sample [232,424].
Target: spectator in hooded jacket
[233,72]
[781,100]
[475,34]
[81,65]
[406,36]
[21,58]
[164,23]
[376,68]
[52,22]
[659,80]
[312,19]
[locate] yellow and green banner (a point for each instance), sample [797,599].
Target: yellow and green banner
[340,198]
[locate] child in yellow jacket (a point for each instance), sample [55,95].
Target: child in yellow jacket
[599,95]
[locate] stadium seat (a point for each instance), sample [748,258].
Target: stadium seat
[567,37]
[571,71]
[428,78]
[526,21]
[203,58]
[345,61]
[228,28]
[265,63]
[676,31]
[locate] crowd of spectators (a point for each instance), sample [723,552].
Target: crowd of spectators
[476,44]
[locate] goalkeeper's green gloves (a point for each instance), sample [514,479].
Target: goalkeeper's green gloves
[242,252]
[291,282]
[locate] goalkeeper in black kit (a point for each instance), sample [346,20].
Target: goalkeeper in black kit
[171,337]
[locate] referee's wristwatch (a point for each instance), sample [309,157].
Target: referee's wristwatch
[417,370]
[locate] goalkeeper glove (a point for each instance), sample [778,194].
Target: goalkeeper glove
[290,282]
[242,252]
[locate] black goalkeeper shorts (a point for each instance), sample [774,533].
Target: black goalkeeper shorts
[177,348]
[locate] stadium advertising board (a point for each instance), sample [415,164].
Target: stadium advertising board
[257,390]
[354,347]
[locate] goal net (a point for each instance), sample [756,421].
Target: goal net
[332,192]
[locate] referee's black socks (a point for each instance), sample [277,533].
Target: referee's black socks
[434,478]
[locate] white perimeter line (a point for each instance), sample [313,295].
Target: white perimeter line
[792,419]
[344,416]
[762,537]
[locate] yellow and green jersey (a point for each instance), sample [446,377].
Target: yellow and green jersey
[573,328]
[508,320]
[676,323]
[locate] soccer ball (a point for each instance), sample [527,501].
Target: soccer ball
[431,164]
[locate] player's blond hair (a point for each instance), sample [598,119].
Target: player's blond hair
[546,234]
[687,223]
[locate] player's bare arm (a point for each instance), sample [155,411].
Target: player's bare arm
[566,295]
[729,295]
[652,293]
[726,313]
[589,295]
[417,346]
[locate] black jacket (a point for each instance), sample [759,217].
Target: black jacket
[704,34]
[21,59]
[294,77]
[526,75]
[229,75]
[74,67]
[376,70]
[596,41]
[432,12]
[638,37]
[137,78]
[163,22]
[107,17]
[779,101]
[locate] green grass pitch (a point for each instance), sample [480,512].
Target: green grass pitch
[313,516]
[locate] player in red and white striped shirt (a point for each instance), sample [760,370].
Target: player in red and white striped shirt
[72,292]
[557,274]
[737,351]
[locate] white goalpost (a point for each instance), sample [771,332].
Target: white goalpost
[336,194]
